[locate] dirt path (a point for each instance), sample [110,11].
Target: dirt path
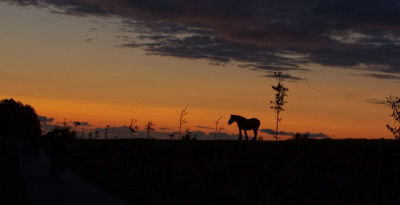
[43,188]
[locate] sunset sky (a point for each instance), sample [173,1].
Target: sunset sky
[106,62]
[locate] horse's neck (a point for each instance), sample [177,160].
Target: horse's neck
[240,119]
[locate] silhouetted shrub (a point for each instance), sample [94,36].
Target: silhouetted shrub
[299,136]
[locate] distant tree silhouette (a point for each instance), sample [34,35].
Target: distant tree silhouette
[106,131]
[133,128]
[96,134]
[65,123]
[83,133]
[149,127]
[172,135]
[217,129]
[395,104]
[18,119]
[181,120]
[90,135]
[73,134]
[59,132]
[279,100]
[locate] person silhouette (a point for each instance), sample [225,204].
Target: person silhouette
[58,151]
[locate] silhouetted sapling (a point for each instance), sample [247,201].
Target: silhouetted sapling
[395,104]
[149,127]
[279,100]
[217,129]
[181,120]
[133,128]
[106,132]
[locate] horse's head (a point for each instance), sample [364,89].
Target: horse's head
[231,120]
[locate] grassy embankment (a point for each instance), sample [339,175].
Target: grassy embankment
[12,187]
[233,172]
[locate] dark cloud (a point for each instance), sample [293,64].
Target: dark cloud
[263,35]
[45,119]
[217,51]
[77,123]
[310,135]
[272,132]
[290,78]
[316,135]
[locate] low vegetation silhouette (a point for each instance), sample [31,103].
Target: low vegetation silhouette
[245,124]
[217,129]
[299,136]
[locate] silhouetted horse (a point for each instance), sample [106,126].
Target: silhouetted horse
[245,124]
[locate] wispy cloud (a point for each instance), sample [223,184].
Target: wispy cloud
[204,127]
[383,76]
[377,101]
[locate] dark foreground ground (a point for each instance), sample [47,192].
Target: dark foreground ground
[206,172]
[12,186]
[239,172]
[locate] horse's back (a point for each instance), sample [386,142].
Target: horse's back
[253,123]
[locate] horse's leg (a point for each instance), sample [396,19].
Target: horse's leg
[240,134]
[255,135]
[245,133]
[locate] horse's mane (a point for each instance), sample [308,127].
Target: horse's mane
[238,116]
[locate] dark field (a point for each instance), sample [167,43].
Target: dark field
[240,172]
